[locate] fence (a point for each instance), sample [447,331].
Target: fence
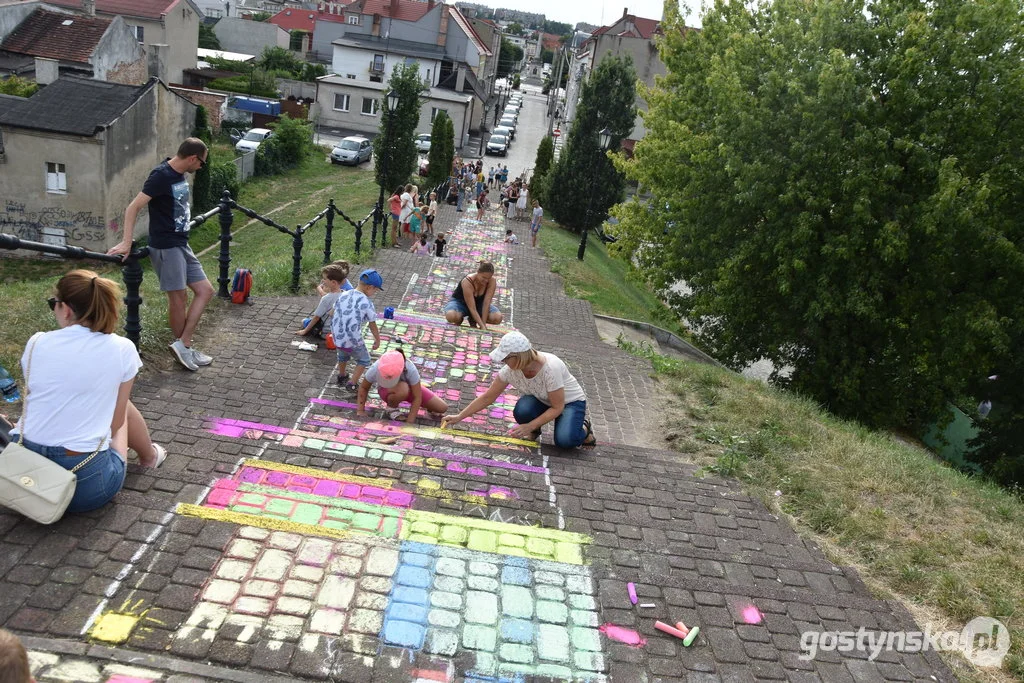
[131,265]
[245,166]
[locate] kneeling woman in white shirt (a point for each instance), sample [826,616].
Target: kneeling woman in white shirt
[78,381]
[548,392]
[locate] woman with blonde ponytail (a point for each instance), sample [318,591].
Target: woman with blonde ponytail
[78,381]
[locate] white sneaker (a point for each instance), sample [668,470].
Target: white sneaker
[183,354]
[200,358]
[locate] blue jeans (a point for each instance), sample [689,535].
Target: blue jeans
[97,483]
[458,203]
[569,429]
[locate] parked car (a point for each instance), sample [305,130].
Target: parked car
[251,141]
[423,142]
[352,150]
[503,130]
[510,123]
[497,144]
[511,111]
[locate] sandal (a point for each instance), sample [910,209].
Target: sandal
[589,439]
[161,455]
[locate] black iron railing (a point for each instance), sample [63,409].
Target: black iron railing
[131,271]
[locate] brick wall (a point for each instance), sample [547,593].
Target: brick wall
[129,73]
[212,101]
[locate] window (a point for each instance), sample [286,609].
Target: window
[56,178]
[377,65]
[370,105]
[353,19]
[341,102]
[352,76]
[140,33]
[434,111]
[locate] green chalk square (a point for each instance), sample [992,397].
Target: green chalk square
[355,451]
[334,524]
[374,454]
[364,520]
[252,499]
[391,456]
[454,535]
[279,506]
[317,444]
[247,509]
[340,513]
[519,654]
[390,527]
[307,513]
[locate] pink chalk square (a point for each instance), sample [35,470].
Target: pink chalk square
[220,498]
[229,484]
[477,472]
[228,430]
[327,487]
[399,498]
[120,678]
[294,440]
[373,492]
[303,480]
[351,491]
[252,475]
[300,489]
[278,478]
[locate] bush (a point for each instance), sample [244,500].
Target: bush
[224,176]
[286,148]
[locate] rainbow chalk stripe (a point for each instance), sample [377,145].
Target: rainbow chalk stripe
[321,503]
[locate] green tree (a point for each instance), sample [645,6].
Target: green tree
[207,38]
[450,141]
[515,29]
[584,183]
[202,199]
[395,147]
[515,81]
[541,169]
[278,58]
[547,56]
[260,16]
[442,149]
[286,148]
[557,27]
[18,86]
[838,185]
[508,56]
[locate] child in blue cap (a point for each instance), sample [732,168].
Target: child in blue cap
[351,310]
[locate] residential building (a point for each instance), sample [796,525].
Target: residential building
[46,44]
[377,35]
[169,29]
[630,35]
[218,9]
[250,37]
[300,24]
[74,155]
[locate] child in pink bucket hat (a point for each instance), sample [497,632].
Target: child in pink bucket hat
[398,381]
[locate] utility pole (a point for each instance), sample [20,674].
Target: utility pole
[553,101]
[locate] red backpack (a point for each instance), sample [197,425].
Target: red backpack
[241,286]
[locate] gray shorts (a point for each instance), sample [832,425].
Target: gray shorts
[176,267]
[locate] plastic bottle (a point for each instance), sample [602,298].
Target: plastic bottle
[8,387]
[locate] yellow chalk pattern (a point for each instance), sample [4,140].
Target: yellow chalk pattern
[319,474]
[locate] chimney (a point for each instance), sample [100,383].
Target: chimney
[89,6]
[442,28]
[625,12]
[47,70]
[460,79]
[393,8]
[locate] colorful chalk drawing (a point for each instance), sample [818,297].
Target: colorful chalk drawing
[328,560]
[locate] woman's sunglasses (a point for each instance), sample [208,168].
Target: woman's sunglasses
[52,301]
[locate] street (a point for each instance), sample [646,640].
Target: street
[532,126]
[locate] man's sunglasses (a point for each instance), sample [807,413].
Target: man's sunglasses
[202,162]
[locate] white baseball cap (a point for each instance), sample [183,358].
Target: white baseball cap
[513,342]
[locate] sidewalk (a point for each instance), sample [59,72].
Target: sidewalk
[283,539]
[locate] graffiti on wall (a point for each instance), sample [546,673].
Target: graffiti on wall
[80,228]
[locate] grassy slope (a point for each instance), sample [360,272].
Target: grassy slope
[25,285]
[949,546]
[602,280]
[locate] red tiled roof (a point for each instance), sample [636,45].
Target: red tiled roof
[303,19]
[146,9]
[471,33]
[646,27]
[550,40]
[44,34]
[404,10]
[643,28]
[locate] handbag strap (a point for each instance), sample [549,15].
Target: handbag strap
[24,411]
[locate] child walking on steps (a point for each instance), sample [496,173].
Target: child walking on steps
[351,311]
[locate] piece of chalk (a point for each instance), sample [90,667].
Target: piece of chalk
[648,604]
[691,633]
[631,589]
[672,631]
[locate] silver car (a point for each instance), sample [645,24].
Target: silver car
[352,150]
[503,130]
[423,142]
[510,123]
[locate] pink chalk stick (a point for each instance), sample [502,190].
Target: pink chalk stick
[631,589]
[665,628]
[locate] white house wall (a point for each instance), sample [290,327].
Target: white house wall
[356,61]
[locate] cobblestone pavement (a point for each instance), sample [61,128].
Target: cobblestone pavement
[284,539]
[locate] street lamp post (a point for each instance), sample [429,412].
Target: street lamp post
[604,141]
[392,99]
